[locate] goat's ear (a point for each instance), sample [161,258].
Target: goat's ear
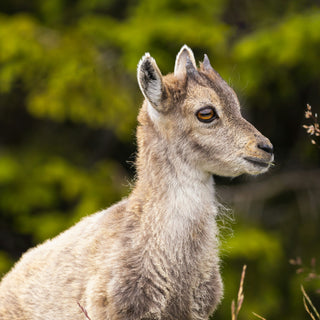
[184,57]
[150,81]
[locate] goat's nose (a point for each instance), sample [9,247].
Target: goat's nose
[267,147]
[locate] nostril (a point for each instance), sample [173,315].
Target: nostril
[265,147]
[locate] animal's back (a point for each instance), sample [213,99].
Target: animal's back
[50,280]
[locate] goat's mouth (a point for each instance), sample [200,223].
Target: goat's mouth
[258,162]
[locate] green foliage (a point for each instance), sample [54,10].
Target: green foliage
[293,42]
[255,244]
[5,262]
[65,75]
[59,190]
[263,253]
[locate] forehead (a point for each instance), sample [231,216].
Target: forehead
[210,86]
[198,95]
[202,88]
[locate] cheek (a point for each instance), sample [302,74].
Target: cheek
[227,144]
[207,146]
[211,143]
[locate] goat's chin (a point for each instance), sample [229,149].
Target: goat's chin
[241,168]
[255,166]
[255,170]
[229,172]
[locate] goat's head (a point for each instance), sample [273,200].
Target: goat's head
[197,114]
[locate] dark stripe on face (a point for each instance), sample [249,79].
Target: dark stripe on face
[204,150]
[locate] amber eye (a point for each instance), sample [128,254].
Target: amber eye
[206,114]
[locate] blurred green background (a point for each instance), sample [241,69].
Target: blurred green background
[68,106]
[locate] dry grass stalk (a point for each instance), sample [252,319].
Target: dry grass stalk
[236,307]
[312,129]
[258,316]
[314,314]
[84,311]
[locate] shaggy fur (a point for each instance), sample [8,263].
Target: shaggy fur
[154,255]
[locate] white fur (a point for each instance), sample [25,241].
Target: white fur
[153,91]
[153,113]
[181,59]
[153,95]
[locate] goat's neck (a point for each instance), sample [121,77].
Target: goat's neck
[172,194]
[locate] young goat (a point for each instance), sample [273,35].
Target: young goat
[154,255]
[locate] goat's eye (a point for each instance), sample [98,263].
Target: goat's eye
[206,114]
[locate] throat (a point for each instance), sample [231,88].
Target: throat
[178,216]
[182,196]
[169,189]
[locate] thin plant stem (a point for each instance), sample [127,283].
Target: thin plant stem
[255,314]
[236,306]
[307,299]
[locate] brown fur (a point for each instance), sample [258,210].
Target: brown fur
[153,255]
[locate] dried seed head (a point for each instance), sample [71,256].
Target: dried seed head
[311,129]
[308,114]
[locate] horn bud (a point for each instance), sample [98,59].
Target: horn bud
[206,64]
